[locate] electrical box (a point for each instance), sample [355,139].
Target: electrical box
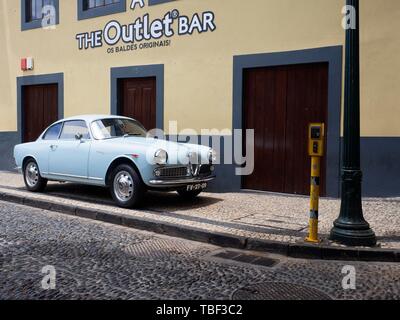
[316,139]
[26,64]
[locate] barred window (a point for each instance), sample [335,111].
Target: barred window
[33,16]
[88,9]
[91,4]
[34,9]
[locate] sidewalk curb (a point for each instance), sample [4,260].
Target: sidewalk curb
[294,250]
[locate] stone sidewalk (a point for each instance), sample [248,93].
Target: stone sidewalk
[253,215]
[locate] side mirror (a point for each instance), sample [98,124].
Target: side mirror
[78,136]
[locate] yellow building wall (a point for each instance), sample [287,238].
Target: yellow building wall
[8,103]
[380,68]
[199,68]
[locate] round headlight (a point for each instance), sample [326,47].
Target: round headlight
[161,157]
[212,156]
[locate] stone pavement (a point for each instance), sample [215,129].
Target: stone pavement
[96,260]
[256,215]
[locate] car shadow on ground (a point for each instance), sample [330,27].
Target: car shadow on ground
[166,204]
[164,201]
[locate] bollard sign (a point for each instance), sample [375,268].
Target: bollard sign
[145,32]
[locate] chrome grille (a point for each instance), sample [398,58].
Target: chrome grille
[174,172]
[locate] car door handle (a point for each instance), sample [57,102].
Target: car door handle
[53,147]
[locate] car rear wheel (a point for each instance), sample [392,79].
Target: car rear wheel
[32,178]
[189,195]
[126,186]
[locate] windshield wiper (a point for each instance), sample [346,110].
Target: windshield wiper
[131,135]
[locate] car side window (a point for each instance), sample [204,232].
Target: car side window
[53,132]
[72,128]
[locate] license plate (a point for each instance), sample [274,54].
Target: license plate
[196,187]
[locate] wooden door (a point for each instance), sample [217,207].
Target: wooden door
[40,109]
[279,104]
[137,100]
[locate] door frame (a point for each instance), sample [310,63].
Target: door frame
[156,70]
[55,78]
[334,56]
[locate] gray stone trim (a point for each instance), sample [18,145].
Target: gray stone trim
[57,78]
[380,163]
[25,25]
[156,70]
[155,2]
[7,142]
[100,11]
[332,55]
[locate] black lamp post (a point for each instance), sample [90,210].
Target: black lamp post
[351,228]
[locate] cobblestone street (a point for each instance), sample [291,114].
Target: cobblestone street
[95,260]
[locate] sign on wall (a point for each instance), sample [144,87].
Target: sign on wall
[144,32]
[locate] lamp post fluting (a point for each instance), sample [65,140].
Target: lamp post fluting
[351,228]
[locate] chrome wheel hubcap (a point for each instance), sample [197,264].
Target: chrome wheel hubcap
[123,186]
[32,174]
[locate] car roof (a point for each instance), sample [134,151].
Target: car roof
[92,117]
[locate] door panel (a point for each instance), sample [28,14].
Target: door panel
[68,156]
[265,106]
[279,104]
[40,109]
[307,94]
[137,100]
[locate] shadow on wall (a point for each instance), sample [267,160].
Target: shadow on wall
[7,142]
[380,161]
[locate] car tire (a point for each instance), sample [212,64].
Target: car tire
[189,195]
[32,178]
[126,187]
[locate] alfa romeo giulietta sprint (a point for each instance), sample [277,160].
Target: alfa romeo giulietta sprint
[115,152]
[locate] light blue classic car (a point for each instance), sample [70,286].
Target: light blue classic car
[114,152]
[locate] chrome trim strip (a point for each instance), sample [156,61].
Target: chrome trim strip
[180,182]
[97,179]
[72,176]
[66,175]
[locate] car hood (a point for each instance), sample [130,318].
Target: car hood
[174,149]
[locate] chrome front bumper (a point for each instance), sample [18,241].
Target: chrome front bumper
[180,182]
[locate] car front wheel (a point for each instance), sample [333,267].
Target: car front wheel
[32,178]
[126,187]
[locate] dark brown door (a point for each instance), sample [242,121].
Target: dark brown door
[40,109]
[279,104]
[137,100]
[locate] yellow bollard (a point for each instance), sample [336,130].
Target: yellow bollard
[314,201]
[316,151]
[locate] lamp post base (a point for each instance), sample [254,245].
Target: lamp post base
[353,235]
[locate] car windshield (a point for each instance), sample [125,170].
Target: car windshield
[117,128]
